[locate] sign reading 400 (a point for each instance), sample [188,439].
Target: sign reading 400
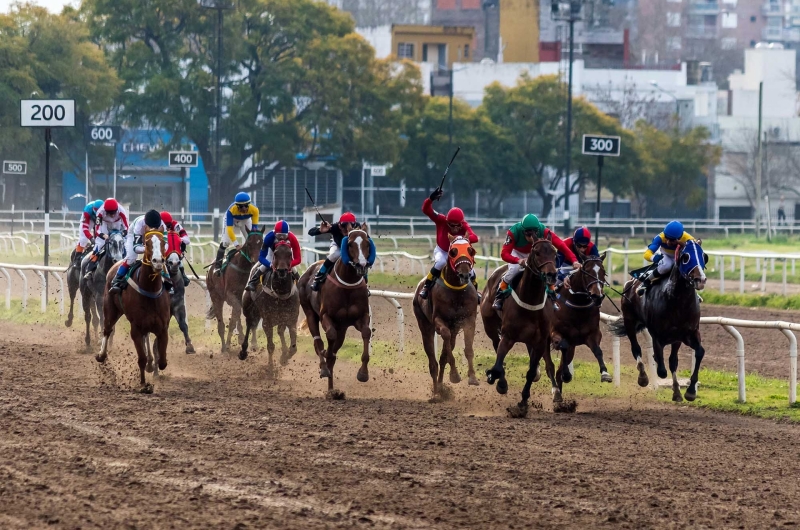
[183,158]
[594,144]
[47,112]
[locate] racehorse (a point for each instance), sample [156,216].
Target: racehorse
[74,280]
[670,311]
[145,304]
[342,302]
[451,307]
[577,322]
[93,290]
[527,317]
[229,285]
[275,303]
[178,299]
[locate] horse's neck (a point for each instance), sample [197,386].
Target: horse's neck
[451,277]
[346,272]
[149,279]
[530,285]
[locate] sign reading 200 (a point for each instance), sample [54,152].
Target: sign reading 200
[47,113]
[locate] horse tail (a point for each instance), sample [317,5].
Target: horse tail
[617,328]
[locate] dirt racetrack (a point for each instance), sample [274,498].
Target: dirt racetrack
[225,444]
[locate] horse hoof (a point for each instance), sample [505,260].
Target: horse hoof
[324,373]
[243,355]
[149,368]
[519,410]
[455,378]
[566,376]
[68,323]
[502,386]
[473,381]
[101,358]
[690,397]
[538,375]
[362,376]
[605,377]
[190,349]
[557,398]
[643,380]
[676,397]
[661,371]
[146,389]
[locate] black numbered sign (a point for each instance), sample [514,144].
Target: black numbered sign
[594,144]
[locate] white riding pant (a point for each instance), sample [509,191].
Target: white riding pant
[665,265]
[439,258]
[130,251]
[334,252]
[83,241]
[514,268]
[239,225]
[106,229]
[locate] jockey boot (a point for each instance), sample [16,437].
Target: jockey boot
[218,259]
[91,266]
[322,275]
[429,281]
[252,285]
[647,282]
[186,280]
[119,284]
[502,293]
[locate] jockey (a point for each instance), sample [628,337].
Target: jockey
[279,233]
[111,216]
[88,228]
[241,214]
[580,244]
[151,221]
[518,245]
[175,226]
[451,225]
[339,231]
[662,251]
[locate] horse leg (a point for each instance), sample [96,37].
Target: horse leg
[444,357]
[319,347]
[148,352]
[673,367]
[593,342]
[563,375]
[293,342]
[160,344]
[234,323]
[658,355]
[636,350]
[699,352]
[282,335]
[138,341]
[332,336]
[428,332]
[269,331]
[498,372]
[180,316]
[521,410]
[217,306]
[455,378]
[538,371]
[111,315]
[366,337]
[550,368]
[469,352]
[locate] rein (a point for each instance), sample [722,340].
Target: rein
[537,267]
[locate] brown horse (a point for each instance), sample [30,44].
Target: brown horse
[275,303]
[527,317]
[146,305]
[229,285]
[577,322]
[342,302]
[451,307]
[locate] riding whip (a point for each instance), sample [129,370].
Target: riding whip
[448,167]
[310,198]
[192,268]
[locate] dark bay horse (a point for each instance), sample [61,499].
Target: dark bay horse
[670,311]
[342,302]
[451,307]
[527,317]
[178,299]
[229,286]
[74,280]
[145,304]
[94,289]
[577,322]
[275,303]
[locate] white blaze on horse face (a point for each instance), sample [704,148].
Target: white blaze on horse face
[157,258]
[362,260]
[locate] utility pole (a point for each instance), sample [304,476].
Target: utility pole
[450,119]
[758,162]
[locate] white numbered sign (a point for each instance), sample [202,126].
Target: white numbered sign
[601,145]
[14,167]
[378,171]
[47,112]
[103,133]
[183,158]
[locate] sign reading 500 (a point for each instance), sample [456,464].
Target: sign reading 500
[47,112]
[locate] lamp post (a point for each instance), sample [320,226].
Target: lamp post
[655,85]
[219,6]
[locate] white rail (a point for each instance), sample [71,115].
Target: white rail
[42,272]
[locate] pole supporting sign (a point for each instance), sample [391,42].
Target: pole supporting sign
[14,167]
[183,159]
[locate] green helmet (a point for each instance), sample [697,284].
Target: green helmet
[531,222]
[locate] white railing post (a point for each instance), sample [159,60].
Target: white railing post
[649,359]
[8,287]
[24,289]
[43,291]
[615,360]
[739,360]
[610,271]
[792,365]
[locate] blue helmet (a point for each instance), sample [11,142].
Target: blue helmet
[674,230]
[96,205]
[242,198]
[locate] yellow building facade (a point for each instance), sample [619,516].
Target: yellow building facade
[519,31]
[439,45]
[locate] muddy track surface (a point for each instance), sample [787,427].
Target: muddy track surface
[230,444]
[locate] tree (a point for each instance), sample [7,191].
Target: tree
[488,159]
[296,80]
[48,56]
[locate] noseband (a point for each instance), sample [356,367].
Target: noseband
[537,267]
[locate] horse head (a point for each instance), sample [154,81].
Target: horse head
[252,245]
[358,250]
[692,262]
[173,263]
[154,250]
[115,246]
[542,259]
[173,252]
[592,278]
[461,258]
[282,259]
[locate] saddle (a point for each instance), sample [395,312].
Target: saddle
[227,258]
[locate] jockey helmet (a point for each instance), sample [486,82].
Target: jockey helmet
[281,227]
[110,205]
[152,219]
[242,198]
[347,217]
[455,215]
[674,230]
[531,222]
[167,218]
[96,205]
[582,236]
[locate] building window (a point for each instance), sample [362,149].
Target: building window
[674,43]
[774,22]
[752,19]
[730,20]
[728,43]
[445,4]
[674,20]
[466,51]
[405,50]
[470,4]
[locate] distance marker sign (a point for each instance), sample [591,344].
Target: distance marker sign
[183,158]
[14,167]
[47,112]
[597,145]
[104,134]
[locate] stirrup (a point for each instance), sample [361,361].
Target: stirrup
[426,289]
[252,285]
[316,284]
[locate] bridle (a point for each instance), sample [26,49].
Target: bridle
[147,260]
[242,250]
[586,286]
[350,261]
[537,267]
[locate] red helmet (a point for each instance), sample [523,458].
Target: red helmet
[281,227]
[347,217]
[166,217]
[455,215]
[111,205]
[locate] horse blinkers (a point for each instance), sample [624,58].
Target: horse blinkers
[458,257]
[695,276]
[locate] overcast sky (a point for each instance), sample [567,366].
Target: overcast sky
[53,5]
